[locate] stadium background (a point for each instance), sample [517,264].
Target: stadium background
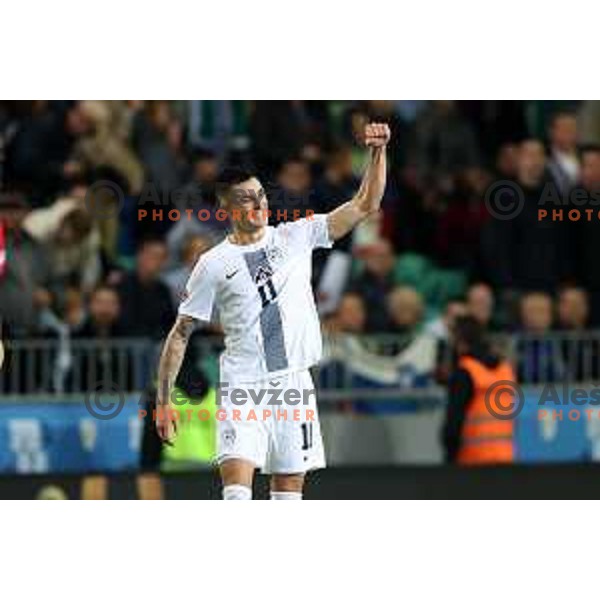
[89,285]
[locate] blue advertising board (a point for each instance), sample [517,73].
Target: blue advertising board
[42,437]
[63,437]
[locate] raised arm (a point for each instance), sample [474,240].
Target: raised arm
[368,198]
[168,368]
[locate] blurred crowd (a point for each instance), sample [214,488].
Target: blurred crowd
[433,253]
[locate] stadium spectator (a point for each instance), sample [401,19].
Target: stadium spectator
[350,316]
[38,156]
[573,309]
[405,309]
[99,146]
[337,185]
[539,358]
[158,142]
[198,195]
[375,283]
[441,330]
[66,232]
[176,279]
[24,270]
[507,161]
[480,304]
[279,128]
[293,192]
[103,320]
[524,252]
[587,239]
[580,352]
[461,220]
[104,362]
[147,308]
[445,142]
[563,163]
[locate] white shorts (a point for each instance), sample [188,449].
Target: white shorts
[272,423]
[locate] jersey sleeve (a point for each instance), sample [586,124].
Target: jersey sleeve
[309,233]
[200,291]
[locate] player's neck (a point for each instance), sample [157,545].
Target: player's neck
[244,238]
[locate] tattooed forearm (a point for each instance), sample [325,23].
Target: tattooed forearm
[172,356]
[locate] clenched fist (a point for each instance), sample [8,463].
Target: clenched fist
[377,135]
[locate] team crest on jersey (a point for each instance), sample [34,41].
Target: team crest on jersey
[263,273]
[228,436]
[275,255]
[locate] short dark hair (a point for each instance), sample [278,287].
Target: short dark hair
[561,114]
[472,334]
[232,176]
[590,149]
[150,240]
[104,287]
[229,177]
[204,154]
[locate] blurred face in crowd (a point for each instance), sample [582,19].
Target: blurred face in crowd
[193,249]
[247,205]
[104,306]
[476,179]
[175,136]
[590,170]
[340,163]
[405,307]
[480,303]
[507,160]
[532,162]
[351,314]
[573,308]
[77,122]
[151,260]
[379,260]
[453,311]
[206,169]
[536,313]
[295,177]
[563,133]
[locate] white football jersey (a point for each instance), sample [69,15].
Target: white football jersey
[264,299]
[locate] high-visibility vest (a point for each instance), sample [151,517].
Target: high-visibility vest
[196,433]
[485,439]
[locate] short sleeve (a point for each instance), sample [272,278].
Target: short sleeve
[199,297]
[310,232]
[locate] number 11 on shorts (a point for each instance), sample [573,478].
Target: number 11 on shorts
[307,436]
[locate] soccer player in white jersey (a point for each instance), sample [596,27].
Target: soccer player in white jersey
[258,279]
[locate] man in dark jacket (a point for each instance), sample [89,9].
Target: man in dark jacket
[97,356]
[527,252]
[146,307]
[588,231]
